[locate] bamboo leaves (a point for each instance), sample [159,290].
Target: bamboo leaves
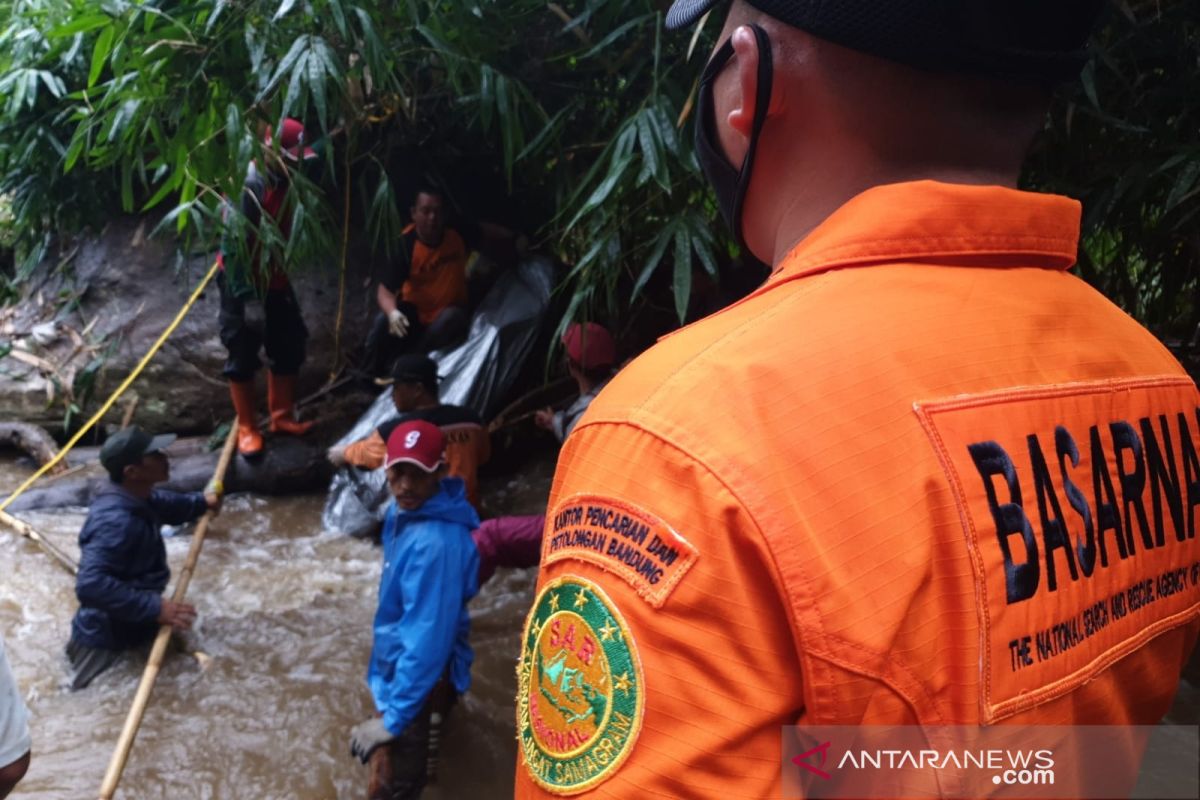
[151,107]
[100,54]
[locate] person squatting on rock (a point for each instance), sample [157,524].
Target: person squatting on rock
[902,481]
[122,559]
[424,296]
[591,355]
[15,743]
[420,657]
[258,304]
[423,302]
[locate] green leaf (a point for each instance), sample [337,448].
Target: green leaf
[75,149]
[656,256]
[588,257]
[617,33]
[233,126]
[702,244]
[601,192]
[339,17]
[100,54]
[653,164]
[126,186]
[486,96]
[666,130]
[82,24]
[221,5]
[171,216]
[255,47]
[160,195]
[53,83]
[682,283]
[298,48]
[1183,184]
[539,141]
[1088,78]
[316,85]
[284,8]
[294,90]
[20,84]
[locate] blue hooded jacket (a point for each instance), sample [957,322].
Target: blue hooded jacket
[123,565]
[430,571]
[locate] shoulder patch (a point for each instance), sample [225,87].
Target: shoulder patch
[623,539]
[580,688]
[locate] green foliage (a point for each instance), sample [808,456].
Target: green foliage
[160,105]
[577,110]
[1125,139]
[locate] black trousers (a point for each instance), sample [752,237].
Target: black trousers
[382,348]
[283,336]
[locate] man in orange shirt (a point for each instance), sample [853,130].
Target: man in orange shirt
[922,475]
[423,301]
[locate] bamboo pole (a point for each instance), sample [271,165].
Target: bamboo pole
[48,547]
[134,720]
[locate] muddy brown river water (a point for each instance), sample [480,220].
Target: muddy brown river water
[285,617]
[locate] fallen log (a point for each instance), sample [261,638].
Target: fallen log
[288,465]
[30,439]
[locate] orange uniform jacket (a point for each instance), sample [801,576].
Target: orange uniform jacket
[467,444]
[843,499]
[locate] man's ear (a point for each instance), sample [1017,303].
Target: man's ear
[745,68]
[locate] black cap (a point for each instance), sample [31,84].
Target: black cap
[1031,40]
[126,447]
[416,369]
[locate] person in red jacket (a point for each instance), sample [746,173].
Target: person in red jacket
[258,304]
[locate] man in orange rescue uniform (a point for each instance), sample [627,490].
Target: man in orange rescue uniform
[884,487]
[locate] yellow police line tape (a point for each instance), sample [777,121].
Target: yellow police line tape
[49,465]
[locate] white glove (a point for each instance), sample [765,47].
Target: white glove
[254,315]
[365,737]
[397,323]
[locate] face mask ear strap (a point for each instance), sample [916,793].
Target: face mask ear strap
[762,101]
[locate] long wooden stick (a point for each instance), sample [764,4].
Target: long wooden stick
[499,421]
[48,547]
[134,720]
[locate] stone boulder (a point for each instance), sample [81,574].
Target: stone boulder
[115,295]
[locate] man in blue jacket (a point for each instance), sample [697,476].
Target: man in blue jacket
[122,560]
[421,659]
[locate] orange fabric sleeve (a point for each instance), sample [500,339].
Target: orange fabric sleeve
[368,453]
[719,667]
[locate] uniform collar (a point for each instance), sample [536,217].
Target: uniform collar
[940,223]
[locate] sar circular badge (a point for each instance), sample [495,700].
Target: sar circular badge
[580,689]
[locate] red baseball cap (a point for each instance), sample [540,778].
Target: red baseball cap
[291,139]
[590,345]
[416,442]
